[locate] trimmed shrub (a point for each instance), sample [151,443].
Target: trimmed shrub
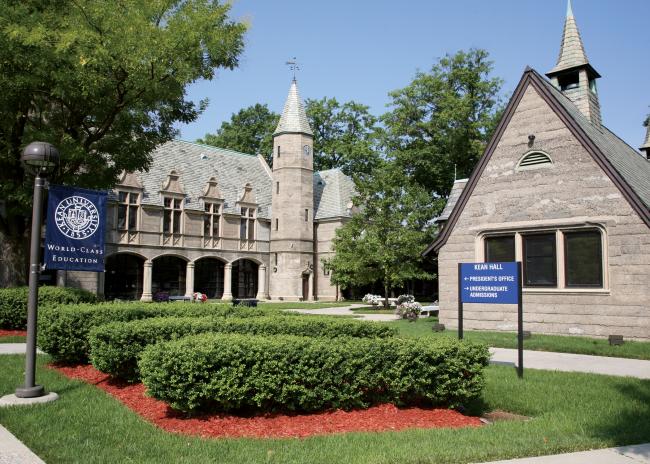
[13,302]
[63,331]
[116,347]
[256,373]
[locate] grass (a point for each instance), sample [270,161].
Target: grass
[86,425]
[538,342]
[302,305]
[13,339]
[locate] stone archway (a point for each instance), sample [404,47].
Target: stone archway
[123,277]
[168,276]
[209,277]
[244,278]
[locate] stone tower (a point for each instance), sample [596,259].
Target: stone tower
[573,74]
[292,221]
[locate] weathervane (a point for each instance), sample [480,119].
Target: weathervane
[293,66]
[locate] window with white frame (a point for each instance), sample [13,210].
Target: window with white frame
[561,258]
[247,224]
[127,211]
[172,216]
[211,219]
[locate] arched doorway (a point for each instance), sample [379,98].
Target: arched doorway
[208,277]
[123,277]
[168,276]
[244,279]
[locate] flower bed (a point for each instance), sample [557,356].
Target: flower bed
[255,373]
[376,419]
[116,347]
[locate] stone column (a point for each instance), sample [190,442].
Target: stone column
[227,282]
[310,295]
[146,281]
[189,279]
[61,277]
[261,282]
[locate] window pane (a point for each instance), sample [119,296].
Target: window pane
[583,259]
[133,198]
[206,226]
[177,222]
[168,202]
[121,217]
[539,260]
[122,196]
[251,212]
[133,218]
[251,229]
[242,229]
[207,207]
[243,211]
[167,221]
[177,204]
[215,226]
[500,249]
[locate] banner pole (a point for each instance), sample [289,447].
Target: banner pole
[520,322]
[460,304]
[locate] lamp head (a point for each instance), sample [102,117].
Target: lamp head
[40,156]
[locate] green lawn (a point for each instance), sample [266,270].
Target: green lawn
[570,412]
[559,343]
[302,305]
[13,339]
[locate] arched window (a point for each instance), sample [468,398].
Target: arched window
[534,160]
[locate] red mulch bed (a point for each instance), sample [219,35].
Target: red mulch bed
[13,333]
[376,419]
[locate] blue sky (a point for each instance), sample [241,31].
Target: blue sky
[361,50]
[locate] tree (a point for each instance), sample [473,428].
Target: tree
[344,136]
[248,131]
[384,240]
[440,123]
[105,83]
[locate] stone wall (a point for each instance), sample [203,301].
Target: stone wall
[573,192]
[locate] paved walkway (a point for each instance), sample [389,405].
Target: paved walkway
[634,454]
[12,450]
[347,311]
[15,348]
[574,363]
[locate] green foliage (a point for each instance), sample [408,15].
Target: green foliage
[249,131]
[243,372]
[13,302]
[63,331]
[344,136]
[443,119]
[104,82]
[384,240]
[116,347]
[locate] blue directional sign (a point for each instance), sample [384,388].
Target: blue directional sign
[491,283]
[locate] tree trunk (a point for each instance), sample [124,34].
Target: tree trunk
[14,259]
[386,289]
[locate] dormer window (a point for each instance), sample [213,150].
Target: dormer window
[211,219]
[569,81]
[172,216]
[127,211]
[247,224]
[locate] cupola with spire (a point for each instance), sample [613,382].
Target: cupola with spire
[573,74]
[645,148]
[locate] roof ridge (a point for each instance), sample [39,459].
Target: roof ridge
[213,147]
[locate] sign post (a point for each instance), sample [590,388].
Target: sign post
[492,283]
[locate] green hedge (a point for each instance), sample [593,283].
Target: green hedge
[116,347]
[63,331]
[13,302]
[253,373]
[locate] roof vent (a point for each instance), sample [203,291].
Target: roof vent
[204,156]
[534,160]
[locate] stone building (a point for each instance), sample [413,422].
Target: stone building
[558,191]
[223,223]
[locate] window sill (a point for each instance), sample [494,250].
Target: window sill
[566,291]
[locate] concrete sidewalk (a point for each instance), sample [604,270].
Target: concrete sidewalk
[634,454]
[15,348]
[347,311]
[568,362]
[13,451]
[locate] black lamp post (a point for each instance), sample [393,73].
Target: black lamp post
[39,158]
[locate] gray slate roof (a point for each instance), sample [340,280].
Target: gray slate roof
[294,118]
[572,51]
[333,192]
[631,165]
[196,164]
[456,190]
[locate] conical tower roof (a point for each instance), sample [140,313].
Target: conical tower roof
[294,118]
[572,51]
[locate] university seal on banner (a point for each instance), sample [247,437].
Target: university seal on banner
[76,217]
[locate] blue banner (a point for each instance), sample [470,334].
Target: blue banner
[495,283]
[74,237]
